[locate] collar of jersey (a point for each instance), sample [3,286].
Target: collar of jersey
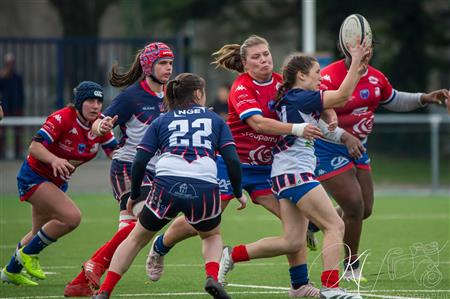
[263,83]
[147,88]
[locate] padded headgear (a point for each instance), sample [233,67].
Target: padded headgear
[86,90]
[151,54]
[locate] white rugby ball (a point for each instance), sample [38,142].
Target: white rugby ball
[354,26]
[137,208]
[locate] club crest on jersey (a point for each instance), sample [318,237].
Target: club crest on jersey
[81,148]
[364,94]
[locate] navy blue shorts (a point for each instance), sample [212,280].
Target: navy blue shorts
[28,181]
[120,177]
[198,200]
[334,159]
[255,180]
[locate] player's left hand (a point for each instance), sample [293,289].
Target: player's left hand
[242,202]
[330,117]
[435,97]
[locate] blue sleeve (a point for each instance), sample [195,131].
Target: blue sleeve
[309,101]
[225,137]
[123,106]
[150,141]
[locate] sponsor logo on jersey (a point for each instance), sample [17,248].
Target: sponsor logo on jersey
[377,92]
[240,87]
[373,80]
[81,148]
[339,161]
[321,172]
[57,117]
[224,185]
[364,94]
[327,78]
[184,112]
[91,135]
[65,147]
[74,131]
[262,154]
[242,102]
[363,127]
[94,148]
[146,108]
[183,190]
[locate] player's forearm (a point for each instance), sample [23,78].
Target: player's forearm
[41,153]
[264,125]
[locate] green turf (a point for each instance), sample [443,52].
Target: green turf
[397,224]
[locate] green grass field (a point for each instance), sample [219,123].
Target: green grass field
[406,241]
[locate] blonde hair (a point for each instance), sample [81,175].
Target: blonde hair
[232,56]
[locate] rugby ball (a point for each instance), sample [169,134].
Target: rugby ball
[354,26]
[137,208]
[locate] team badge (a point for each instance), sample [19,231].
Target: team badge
[81,148]
[364,94]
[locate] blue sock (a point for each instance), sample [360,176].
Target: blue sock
[349,264]
[312,227]
[14,266]
[299,275]
[38,243]
[159,247]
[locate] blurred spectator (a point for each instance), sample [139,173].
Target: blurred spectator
[11,89]
[221,102]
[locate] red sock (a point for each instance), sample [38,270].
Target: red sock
[330,278]
[107,251]
[212,269]
[79,279]
[99,250]
[240,254]
[111,279]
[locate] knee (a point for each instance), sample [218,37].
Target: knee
[367,212]
[336,227]
[72,220]
[292,246]
[354,209]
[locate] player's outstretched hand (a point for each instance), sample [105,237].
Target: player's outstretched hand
[354,146]
[242,202]
[62,167]
[435,97]
[107,124]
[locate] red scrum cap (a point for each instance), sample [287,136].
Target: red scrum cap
[151,54]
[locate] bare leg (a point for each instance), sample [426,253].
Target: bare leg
[318,207]
[345,189]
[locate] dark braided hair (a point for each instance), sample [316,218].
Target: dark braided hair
[180,92]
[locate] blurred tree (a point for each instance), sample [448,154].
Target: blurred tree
[81,23]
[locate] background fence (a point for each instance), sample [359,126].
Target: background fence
[408,151]
[52,67]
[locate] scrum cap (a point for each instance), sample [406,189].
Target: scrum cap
[87,90]
[151,54]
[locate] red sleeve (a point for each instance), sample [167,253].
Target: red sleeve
[56,124]
[243,97]
[386,88]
